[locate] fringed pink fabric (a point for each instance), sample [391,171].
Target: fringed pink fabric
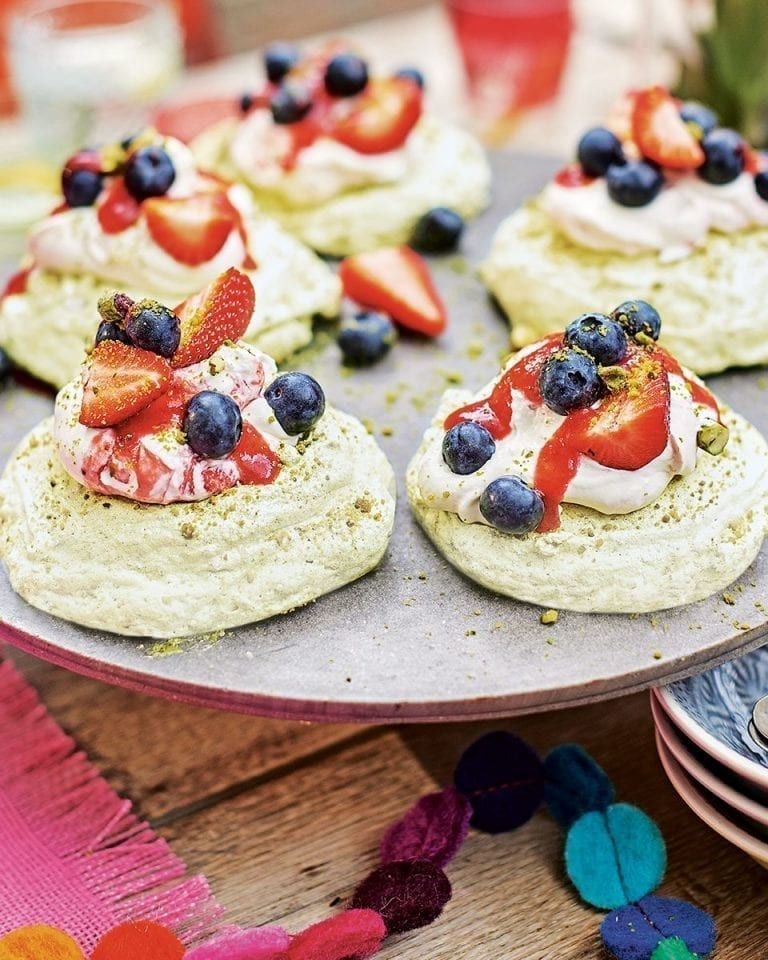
[72,854]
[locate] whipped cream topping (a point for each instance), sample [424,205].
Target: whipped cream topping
[322,170]
[73,241]
[161,467]
[673,224]
[605,489]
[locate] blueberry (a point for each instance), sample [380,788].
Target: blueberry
[599,336]
[291,103]
[279,59]
[761,184]
[110,330]
[245,102]
[367,338]
[346,75]
[81,187]
[213,424]
[467,447]
[411,73]
[149,172]
[297,401]
[511,506]
[724,156]
[699,115]
[599,149]
[569,380]
[634,184]
[154,327]
[437,231]
[637,316]
[6,368]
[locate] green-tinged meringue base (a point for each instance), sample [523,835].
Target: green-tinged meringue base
[193,568]
[694,540]
[451,170]
[711,302]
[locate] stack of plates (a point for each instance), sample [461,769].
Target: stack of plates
[712,751]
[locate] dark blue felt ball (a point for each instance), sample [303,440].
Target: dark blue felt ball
[503,779]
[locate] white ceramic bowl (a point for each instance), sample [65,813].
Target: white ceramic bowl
[695,798]
[696,770]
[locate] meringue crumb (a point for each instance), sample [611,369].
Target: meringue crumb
[549,616]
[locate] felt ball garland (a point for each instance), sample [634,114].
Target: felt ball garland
[614,856]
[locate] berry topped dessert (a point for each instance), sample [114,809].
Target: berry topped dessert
[344,159]
[143,215]
[661,203]
[594,473]
[183,485]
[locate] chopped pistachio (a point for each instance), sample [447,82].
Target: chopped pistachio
[712,437]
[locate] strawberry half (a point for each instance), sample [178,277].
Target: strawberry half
[380,118]
[661,133]
[397,281]
[190,229]
[222,311]
[117,209]
[121,380]
[631,427]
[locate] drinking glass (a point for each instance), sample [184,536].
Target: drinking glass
[514,52]
[86,71]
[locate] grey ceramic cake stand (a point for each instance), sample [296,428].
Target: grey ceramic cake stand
[414,640]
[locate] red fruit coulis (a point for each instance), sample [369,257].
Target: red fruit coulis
[622,431]
[121,449]
[17,283]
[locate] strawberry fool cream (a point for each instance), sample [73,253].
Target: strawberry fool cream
[531,443]
[146,457]
[674,224]
[74,240]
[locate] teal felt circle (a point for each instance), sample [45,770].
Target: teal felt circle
[615,856]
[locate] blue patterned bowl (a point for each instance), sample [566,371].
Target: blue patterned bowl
[714,710]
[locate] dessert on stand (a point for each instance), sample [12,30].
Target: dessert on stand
[183,486]
[662,203]
[344,159]
[143,216]
[594,473]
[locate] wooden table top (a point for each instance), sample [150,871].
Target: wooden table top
[284,818]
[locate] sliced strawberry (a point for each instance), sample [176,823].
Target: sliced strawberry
[380,118]
[117,210]
[661,133]
[620,118]
[397,281]
[17,283]
[222,311]
[190,229]
[573,176]
[257,462]
[120,381]
[631,427]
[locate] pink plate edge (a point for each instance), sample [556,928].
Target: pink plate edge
[691,766]
[757,849]
[710,744]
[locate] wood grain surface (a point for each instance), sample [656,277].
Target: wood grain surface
[285,818]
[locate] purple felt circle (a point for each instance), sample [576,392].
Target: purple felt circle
[407,893]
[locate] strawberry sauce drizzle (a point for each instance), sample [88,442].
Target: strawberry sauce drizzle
[17,283]
[625,430]
[122,450]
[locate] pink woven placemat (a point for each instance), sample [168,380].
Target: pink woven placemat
[72,852]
